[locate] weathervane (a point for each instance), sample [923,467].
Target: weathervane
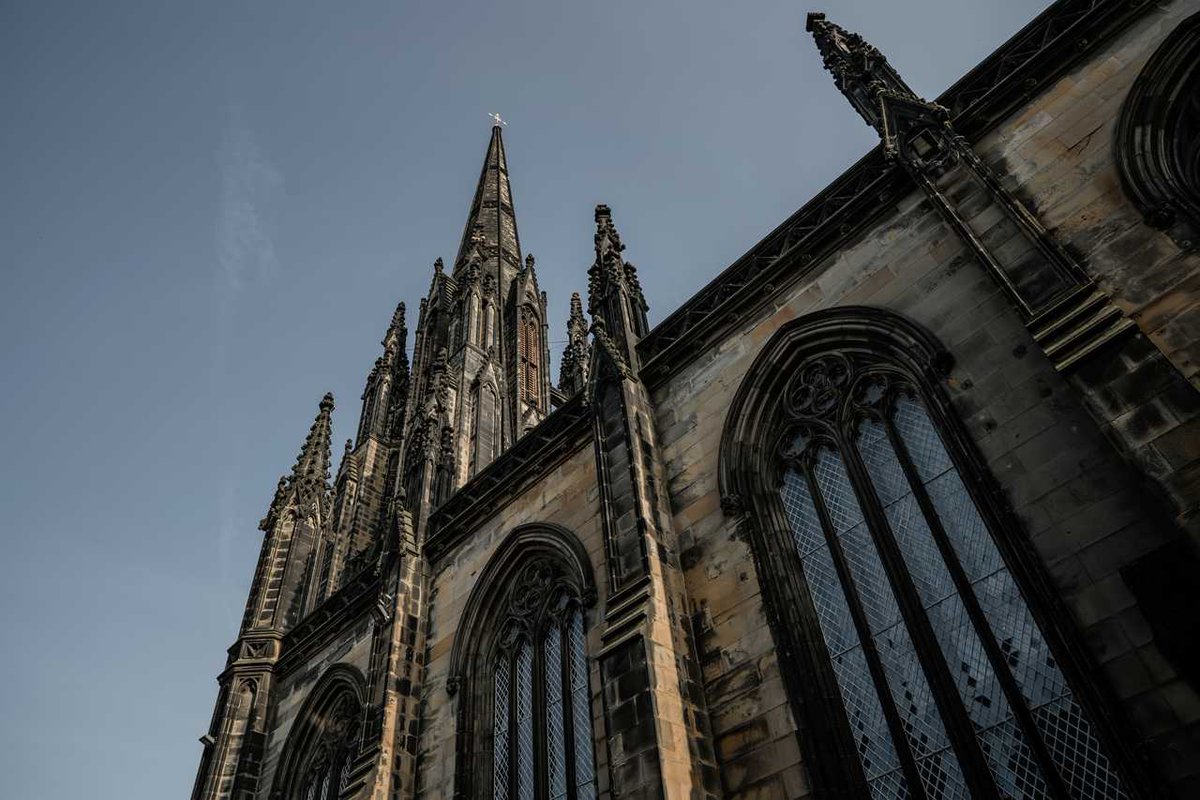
[497,120]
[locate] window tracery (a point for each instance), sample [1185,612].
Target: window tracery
[321,748]
[944,683]
[543,742]
[520,664]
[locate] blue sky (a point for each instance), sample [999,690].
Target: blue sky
[207,214]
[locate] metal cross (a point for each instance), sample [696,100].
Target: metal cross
[497,120]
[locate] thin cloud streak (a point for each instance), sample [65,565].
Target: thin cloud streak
[245,247]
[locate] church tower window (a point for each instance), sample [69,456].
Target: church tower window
[530,349]
[937,679]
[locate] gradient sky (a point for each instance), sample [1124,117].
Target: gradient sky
[209,210]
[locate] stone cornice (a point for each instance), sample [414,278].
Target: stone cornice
[1009,77]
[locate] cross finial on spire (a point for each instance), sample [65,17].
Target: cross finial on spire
[497,120]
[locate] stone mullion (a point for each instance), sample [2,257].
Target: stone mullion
[568,704]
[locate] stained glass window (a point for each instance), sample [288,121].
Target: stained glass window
[938,661]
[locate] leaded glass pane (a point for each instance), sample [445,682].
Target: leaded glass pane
[1060,721]
[556,745]
[920,439]
[978,687]
[870,579]
[1012,762]
[891,786]
[837,627]
[525,768]
[806,527]
[964,527]
[868,726]
[834,483]
[581,710]
[1068,734]
[923,726]
[500,715]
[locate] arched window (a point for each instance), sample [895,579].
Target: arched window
[1158,136]
[324,739]
[893,575]
[525,719]
[531,359]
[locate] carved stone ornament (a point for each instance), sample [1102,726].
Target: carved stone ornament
[818,386]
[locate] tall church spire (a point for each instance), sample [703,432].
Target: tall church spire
[492,211]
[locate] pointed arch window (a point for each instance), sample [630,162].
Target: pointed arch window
[325,738]
[885,563]
[530,351]
[526,711]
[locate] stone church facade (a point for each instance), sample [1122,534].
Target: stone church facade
[901,504]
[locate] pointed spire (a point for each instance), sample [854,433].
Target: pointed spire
[572,376]
[492,212]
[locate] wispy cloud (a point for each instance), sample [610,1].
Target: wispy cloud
[249,187]
[246,257]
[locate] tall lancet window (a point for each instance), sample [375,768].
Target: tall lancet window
[946,684]
[531,360]
[527,706]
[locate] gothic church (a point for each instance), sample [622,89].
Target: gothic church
[901,505]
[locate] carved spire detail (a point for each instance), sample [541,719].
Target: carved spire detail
[614,292]
[308,483]
[911,128]
[573,369]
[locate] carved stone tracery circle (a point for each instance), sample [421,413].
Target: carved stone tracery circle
[817,386]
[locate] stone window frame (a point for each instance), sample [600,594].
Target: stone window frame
[485,630]
[1158,121]
[752,460]
[326,735]
[529,348]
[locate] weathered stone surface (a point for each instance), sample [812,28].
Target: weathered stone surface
[1097,466]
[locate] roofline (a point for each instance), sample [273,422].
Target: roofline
[1039,53]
